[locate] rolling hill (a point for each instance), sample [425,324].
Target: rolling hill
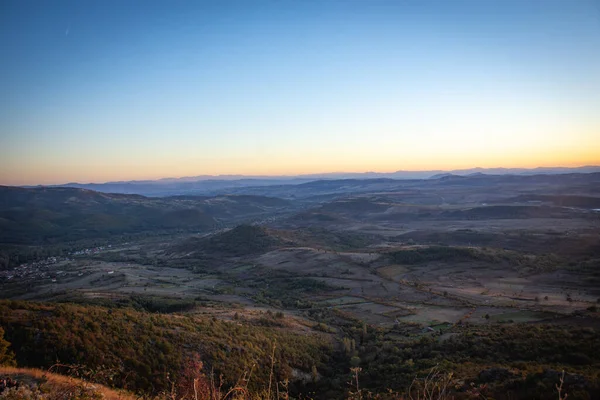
[50,215]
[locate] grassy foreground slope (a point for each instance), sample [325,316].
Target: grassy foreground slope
[142,351]
[29,383]
[148,353]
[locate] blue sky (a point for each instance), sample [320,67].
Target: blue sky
[111,90]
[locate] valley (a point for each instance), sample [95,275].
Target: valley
[384,264]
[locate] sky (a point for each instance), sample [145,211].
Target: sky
[104,90]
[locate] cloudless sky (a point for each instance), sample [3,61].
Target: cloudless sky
[102,90]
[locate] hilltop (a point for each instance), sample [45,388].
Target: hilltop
[241,240]
[50,215]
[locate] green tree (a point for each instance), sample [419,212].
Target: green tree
[6,356]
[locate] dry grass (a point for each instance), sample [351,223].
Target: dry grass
[54,386]
[36,384]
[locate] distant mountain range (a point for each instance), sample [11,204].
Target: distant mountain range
[219,184]
[50,215]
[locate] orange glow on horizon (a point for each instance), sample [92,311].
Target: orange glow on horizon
[249,167]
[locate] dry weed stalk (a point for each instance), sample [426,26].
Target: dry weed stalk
[271,372]
[358,394]
[433,387]
[559,388]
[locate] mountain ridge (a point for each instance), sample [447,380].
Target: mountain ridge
[213,184]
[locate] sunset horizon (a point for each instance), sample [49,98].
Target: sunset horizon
[309,174]
[146,90]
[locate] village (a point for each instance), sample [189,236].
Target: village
[42,269]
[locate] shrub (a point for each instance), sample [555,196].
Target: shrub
[6,356]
